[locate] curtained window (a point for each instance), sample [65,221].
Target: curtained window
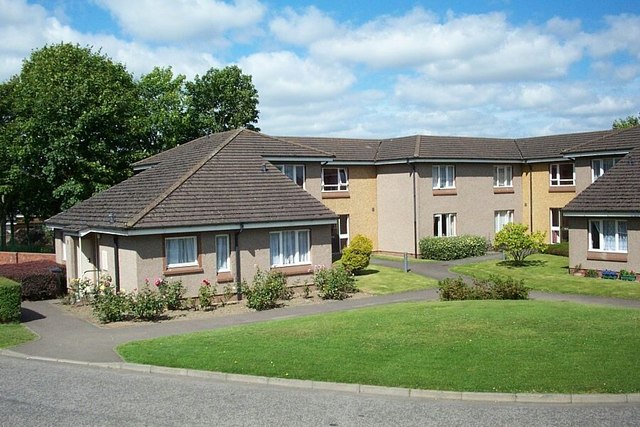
[181,251]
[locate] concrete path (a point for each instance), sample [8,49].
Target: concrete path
[64,336]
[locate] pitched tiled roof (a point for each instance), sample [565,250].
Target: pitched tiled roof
[538,148]
[216,180]
[618,190]
[450,147]
[344,149]
[553,146]
[622,139]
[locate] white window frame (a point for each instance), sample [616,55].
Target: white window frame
[507,172]
[293,172]
[554,175]
[555,214]
[223,238]
[301,256]
[617,240]
[600,166]
[449,172]
[451,221]
[194,263]
[343,180]
[342,236]
[502,218]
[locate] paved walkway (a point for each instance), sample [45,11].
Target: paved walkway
[64,336]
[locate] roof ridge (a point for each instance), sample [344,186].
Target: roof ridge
[155,202]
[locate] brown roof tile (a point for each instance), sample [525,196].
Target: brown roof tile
[618,190]
[210,181]
[344,149]
[553,146]
[623,139]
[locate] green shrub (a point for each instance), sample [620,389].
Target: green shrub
[334,283]
[266,289]
[357,255]
[110,306]
[205,295]
[146,304]
[591,273]
[453,289]
[509,288]
[10,299]
[454,247]
[495,287]
[514,240]
[172,292]
[559,249]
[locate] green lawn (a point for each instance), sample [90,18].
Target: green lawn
[379,280]
[550,273]
[13,334]
[502,346]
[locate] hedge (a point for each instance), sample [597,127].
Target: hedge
[38,281]
[10,300]
[454,247]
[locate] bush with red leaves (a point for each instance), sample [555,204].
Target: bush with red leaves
[37,279]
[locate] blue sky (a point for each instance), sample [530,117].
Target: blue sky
[371,69]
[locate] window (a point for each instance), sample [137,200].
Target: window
[502,176]
[181,251]
[289,247]
[503,218]
[559,227]
[294,172]
[444,176]
[222,253]
[340,234]
[562,174]
[444,225]
[600,166]
[335,179]
[608,235]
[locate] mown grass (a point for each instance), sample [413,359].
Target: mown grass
[550,273]
[379,280]
[499,346]
[12,334]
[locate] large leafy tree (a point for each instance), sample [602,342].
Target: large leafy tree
[222,99]
[75,124]
[165,121]
[628,122]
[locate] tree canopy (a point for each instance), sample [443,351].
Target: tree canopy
[628,122]
[222,100]
[73,120]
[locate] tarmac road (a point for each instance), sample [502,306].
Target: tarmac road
[41,393]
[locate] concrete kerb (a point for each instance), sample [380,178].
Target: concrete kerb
[351,388]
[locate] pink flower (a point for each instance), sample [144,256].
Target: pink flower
[158,282]
[205,282]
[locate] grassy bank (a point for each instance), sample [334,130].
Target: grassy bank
[501,346]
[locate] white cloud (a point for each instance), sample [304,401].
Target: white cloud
[170,20]
[621,35]
[303,28]
[283,77]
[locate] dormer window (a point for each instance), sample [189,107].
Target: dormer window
[294,172]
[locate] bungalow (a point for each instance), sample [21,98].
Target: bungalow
[216,208]
[604,219]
